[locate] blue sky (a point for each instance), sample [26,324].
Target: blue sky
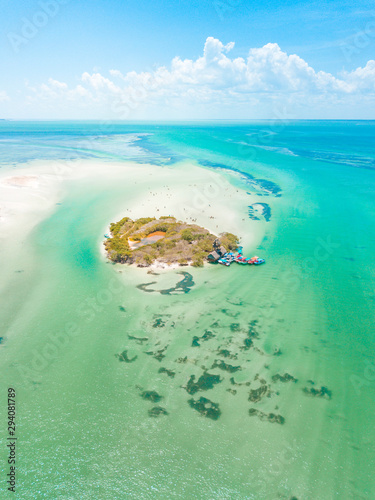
[48,45]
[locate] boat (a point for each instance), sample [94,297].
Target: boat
[256,261]
[227,258]
[241,259]
[106,236]
[224,262]
[259,261]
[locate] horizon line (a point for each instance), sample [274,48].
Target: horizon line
[181,120]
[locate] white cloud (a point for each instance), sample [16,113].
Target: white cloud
[362,79]
[99,83]
[215,80]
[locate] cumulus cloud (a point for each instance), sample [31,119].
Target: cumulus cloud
[99,83]
[216,79]
[362,79]
[55,92]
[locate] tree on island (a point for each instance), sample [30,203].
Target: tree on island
[165,239]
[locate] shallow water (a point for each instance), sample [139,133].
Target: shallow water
[85,429]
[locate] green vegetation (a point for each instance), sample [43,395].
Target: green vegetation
[197,262]
[116,226]
[119,249]
[182,243]
[187,235]
[229,241]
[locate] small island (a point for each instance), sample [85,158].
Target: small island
[170,242]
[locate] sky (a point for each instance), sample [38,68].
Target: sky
[187,59]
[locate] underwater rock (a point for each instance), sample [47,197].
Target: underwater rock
[275,419]
[252,331]
[247,344]
[233,382]
[270,417]
[124,357]
[269,186]
[256,395]
[158,323]
[261,380]
[283,378]
[195,342]
[235,327]
[186,283]
[156,411]
[139,340]
[277,351]
[170,373]
[221,166]
[144,286]
[183,285]
[323,392]
[182,360]
[204,383]
[224,366]
[260,208]
[206,336]
[232,391]
[215,325]
[206,408]
[158,355]
[226,354]
[252,216]
[229,313]
[152,396]
[266,211]
[252,334]
[122,308]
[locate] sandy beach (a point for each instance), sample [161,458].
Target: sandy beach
[188,192]
[191,194]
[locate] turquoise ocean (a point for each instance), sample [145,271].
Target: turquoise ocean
[288,347]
